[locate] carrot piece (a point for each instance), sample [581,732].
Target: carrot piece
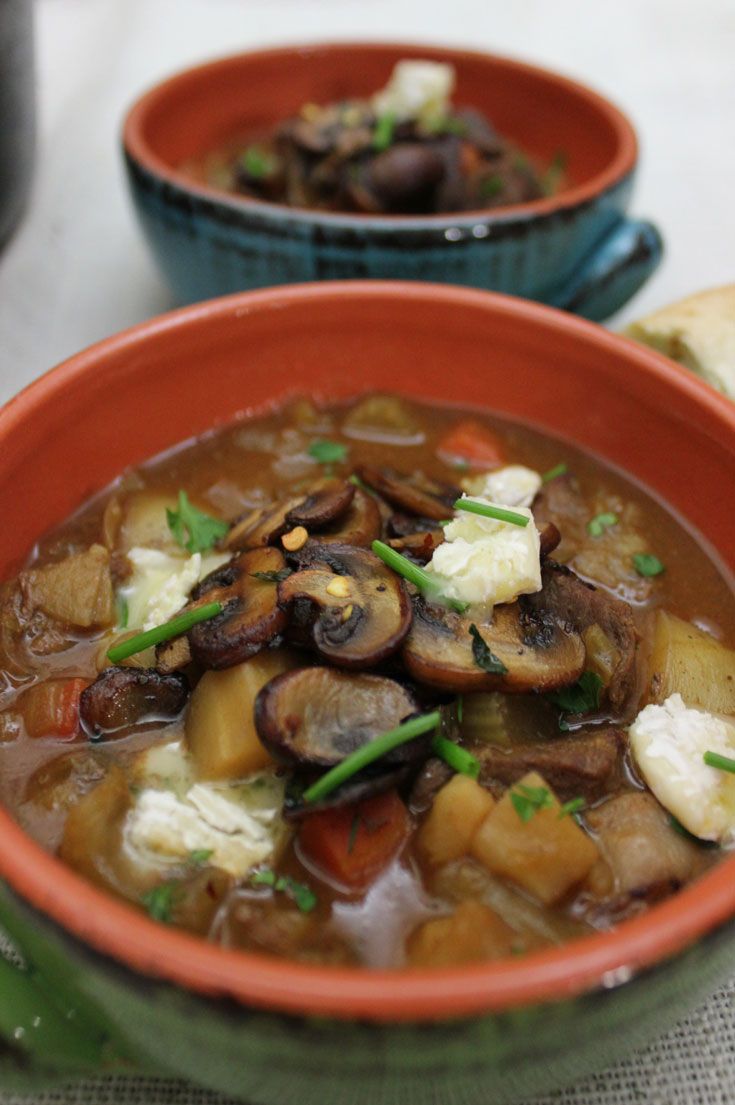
[352,844]
[51,709]
[473,443]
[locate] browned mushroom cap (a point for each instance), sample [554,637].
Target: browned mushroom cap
[360,525]
[539,653]
[363,608]
[415,493]
[325,500]
[251,616]
[318,716]
[549,538]
[122,697]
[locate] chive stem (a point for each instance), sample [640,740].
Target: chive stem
[366,755]
[457,757]
[558,470]
[487,510]
[724,763]
[414,574]
[164,632]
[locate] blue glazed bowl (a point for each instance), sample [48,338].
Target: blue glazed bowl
[578,249]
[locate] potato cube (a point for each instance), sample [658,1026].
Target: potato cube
[76,590]
[458,811]
[220,726]
[473,932]
[546,854]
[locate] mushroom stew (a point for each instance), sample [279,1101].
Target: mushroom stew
[380,684]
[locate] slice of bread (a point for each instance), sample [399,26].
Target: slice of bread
[698,332]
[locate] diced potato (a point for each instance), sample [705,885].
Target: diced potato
[687,661]
[76,590]
[602,657]
[473,932]
[220,728]
[458,811]
[144,523]
[546,855]
[383,418]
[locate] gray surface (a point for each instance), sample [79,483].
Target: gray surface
[77,270]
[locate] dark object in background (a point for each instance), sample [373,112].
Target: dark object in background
[17,110]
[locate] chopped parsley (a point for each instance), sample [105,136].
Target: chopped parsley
[491,186]
[528,801]
[303,896]
[384,129]
[327,452]
[646,564]
[200,856]
[193,530]
[159,901]
[572,807]
[597,525]
[257,163]
[482,654]
[581,698]
[272,577]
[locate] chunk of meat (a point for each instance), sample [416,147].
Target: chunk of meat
[586,766]
[76,590]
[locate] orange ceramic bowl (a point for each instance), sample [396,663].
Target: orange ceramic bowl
[275,1031]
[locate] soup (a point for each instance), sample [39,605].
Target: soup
[381,684]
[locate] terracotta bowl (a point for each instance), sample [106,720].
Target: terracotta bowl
[578,250]
[151,998]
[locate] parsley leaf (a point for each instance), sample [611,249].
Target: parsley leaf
[646,564]
[383,133]
[597,525]
[327,452]
[272,577]
[193,530]
[491,186]
[200,856]
[572,807]
[159,901]
[581,698]
[257,163]
[482,655]
[303,896]
[527,801]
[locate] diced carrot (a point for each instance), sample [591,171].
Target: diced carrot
[353,844]
[473,443]
[51,709]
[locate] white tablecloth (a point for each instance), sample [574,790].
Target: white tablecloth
[77,269]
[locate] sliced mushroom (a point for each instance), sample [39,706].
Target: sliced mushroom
[419,546]
[250,619]
[315,717]
[539,653]
[122,697]
[549,538]
[326,500]
[363,610]
[415,494]
[360,525]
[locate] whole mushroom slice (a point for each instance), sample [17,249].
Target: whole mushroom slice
[122,697]
[538,652]
[363,609]
[251,618]
[360,525]
[315,717]
[326,500]
[415,493]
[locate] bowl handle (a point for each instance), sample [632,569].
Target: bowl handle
[613,271]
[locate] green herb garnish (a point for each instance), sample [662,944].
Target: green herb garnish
[123,613]
[487,510]
[355,479]
[528,801]
[178,625]
[383,132]
[200,856]
[597,525]
[273,577]
[303,896]
[354,830]
[327,452]
[482,655]
[646,564]
[723,763]
[159,901]
[420,578]
[572,807]
[445,124]
[581,698]
[457,757]
[369,753]
[193,530]
[460,708]
[491,186]
[257,163]
[560,469]
[552,178]
[677,826]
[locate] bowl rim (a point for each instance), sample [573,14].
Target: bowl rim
[142,153]
[118,930]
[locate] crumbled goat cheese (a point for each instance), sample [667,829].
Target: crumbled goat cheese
[416,90]
[161,582]
[668,743]
[484,560]
[514,485]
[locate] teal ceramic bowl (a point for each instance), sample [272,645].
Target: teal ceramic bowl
[105,989]
[578,250]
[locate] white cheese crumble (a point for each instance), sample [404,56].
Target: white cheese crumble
[416,90]
[668,743]
[161,582]
[514,485]
[240,823]
[488,561]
